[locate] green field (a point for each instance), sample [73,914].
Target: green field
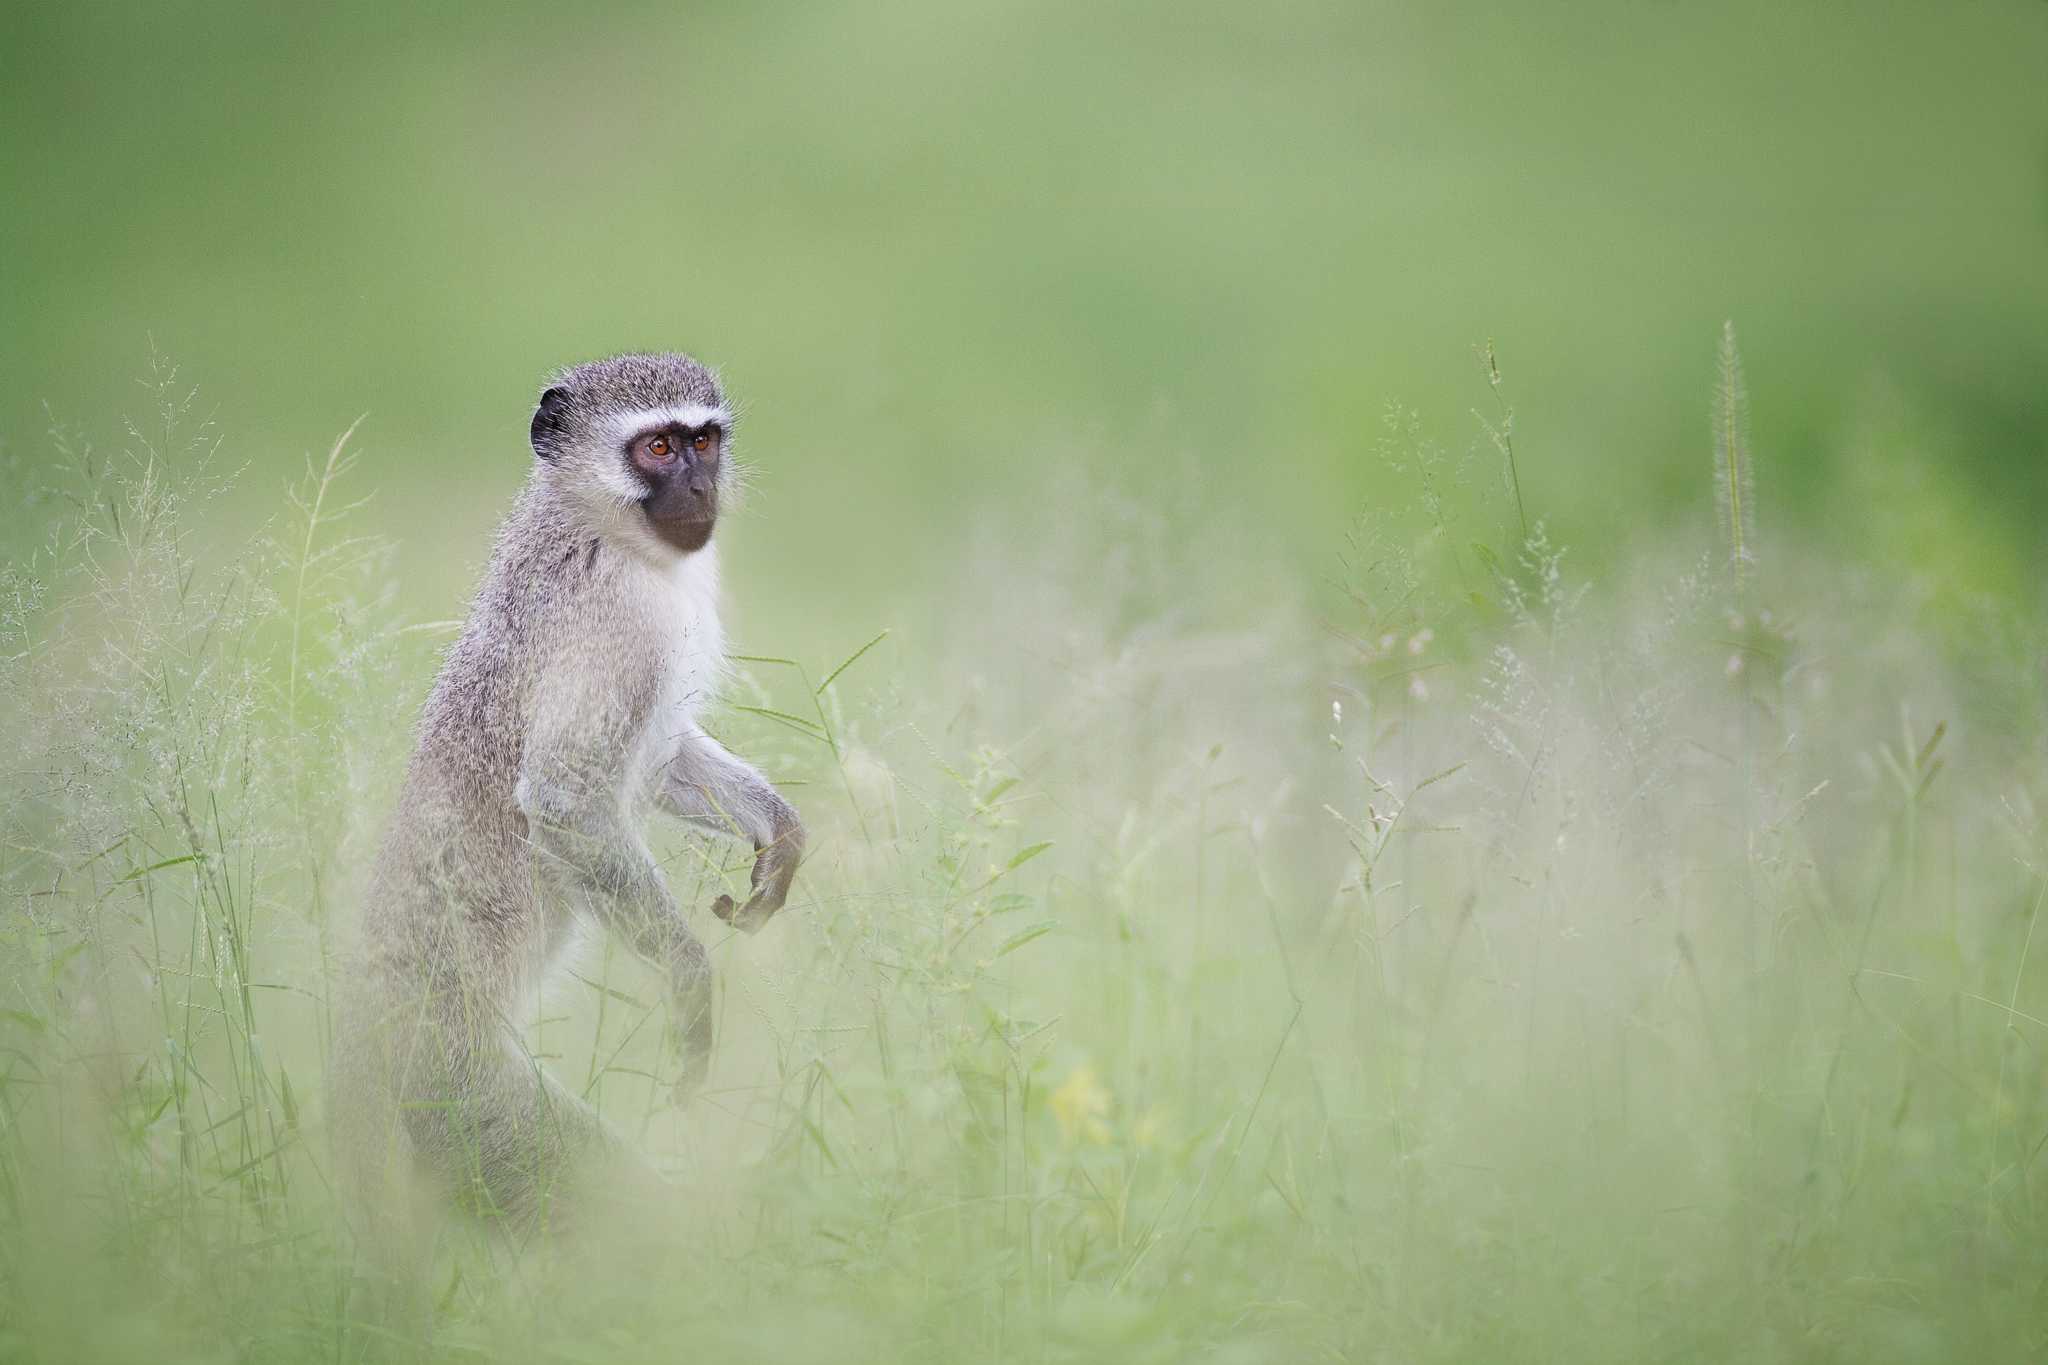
[1341,853]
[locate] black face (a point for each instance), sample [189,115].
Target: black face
[679,468]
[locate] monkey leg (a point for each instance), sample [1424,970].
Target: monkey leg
[510,1144]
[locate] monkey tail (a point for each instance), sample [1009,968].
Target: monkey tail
[377,1174]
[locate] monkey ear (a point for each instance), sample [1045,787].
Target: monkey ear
[548,421]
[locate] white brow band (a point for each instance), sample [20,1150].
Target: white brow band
[677,415]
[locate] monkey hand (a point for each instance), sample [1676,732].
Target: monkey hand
[692,1016]
[774,866]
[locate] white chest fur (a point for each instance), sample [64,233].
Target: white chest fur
[682,613]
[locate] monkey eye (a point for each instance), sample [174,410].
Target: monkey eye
[702,441]
[658,447]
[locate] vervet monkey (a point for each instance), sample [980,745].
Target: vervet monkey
[567,706]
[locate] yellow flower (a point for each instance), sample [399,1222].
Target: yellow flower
[1080,1105]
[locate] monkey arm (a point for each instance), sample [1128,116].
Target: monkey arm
[589,852]
[707,786]
[578,828]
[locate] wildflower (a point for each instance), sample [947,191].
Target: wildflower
[1080,1105]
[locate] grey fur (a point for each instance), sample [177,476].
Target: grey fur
[563,711]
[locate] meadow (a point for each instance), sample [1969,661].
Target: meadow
[1455,957]
[1294,875]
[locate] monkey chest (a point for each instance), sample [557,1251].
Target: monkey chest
[688,654]
[685,689]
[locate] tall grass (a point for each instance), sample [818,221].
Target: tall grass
[1461,962]
[1734,486]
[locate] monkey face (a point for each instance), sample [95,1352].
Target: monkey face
[679,468]
[643,443]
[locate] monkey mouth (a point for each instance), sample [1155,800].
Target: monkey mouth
[686,533]
[682,514]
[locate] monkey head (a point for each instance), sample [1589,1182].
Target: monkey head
[641,442]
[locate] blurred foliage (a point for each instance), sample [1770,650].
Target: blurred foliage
[936,247]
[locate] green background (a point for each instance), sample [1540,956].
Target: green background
[939,251]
